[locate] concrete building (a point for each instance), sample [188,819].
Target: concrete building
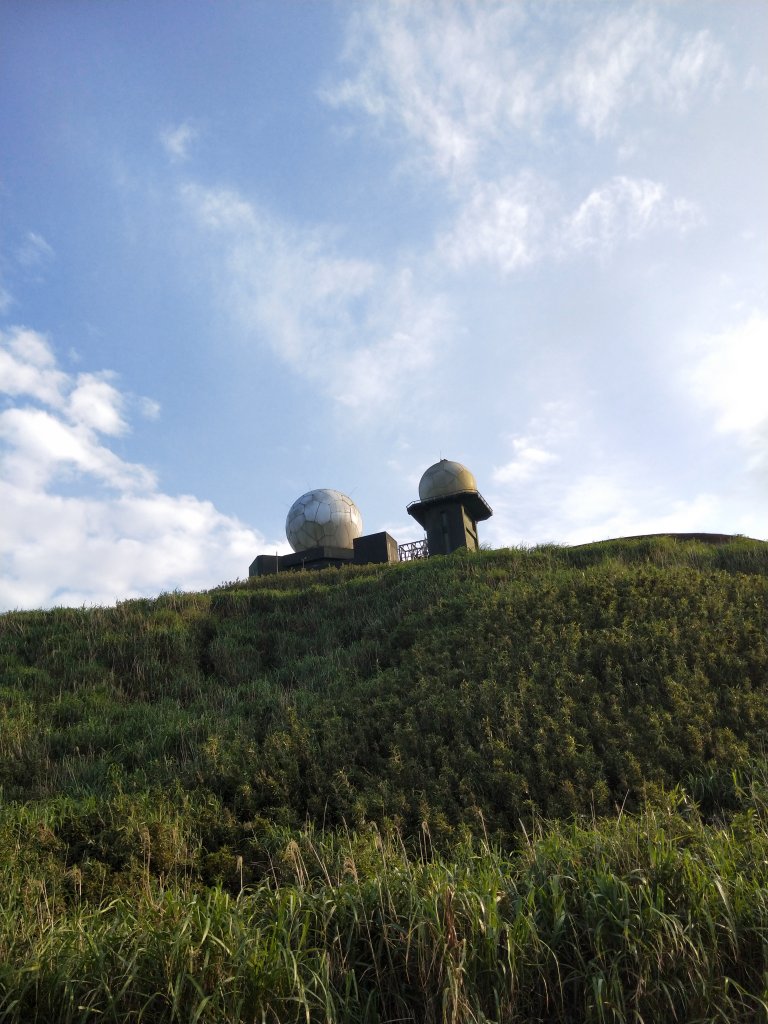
[325,528]
[449,508]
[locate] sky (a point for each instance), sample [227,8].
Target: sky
[254,248]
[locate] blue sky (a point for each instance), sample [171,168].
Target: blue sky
[249,249]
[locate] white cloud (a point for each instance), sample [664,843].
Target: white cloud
[149,408]
[527,461]
[97,404]
[178,140]
[221,208]
[628,58]
[404,328]
[30,347]
[289,286]
[565,484]
[460,80]
[601,506]
[597,498]
[27,367]
[503,223]
[728,379]
[731,376]
[63,550]
[603,502]
[42,447]
[126,539]
[34,251]
[360,330]
[544,443]
[626,209]
[27,258]
[444,75]
[520,220]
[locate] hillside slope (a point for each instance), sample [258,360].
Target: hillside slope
[459,691]
[509,786]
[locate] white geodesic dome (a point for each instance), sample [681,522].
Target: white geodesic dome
[323,518]
[444,478]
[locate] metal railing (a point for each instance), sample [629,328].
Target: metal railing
[413,549]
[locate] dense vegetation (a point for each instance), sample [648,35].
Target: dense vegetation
[514,786]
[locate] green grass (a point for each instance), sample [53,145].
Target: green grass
[655,917]
[524,785]
[462,688]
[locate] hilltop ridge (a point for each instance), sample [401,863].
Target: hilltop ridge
[472,687]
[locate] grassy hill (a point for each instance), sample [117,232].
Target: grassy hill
[511,786]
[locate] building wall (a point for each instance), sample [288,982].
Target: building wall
[449,527]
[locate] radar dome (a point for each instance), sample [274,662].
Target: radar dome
[323,518]
[444,478]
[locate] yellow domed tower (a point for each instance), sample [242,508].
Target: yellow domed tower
[449,507]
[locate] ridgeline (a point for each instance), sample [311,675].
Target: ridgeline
[516,785]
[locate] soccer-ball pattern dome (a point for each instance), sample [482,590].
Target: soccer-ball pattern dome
[323,518]
[445,477]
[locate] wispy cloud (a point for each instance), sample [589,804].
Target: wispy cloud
[459,80]
[544,444]
[178,140]
[466,89]
[520,220]
[445,77]
[402,332]
[24,259]
[527,461]
[565,484]
[625,209]
[362,330]
[149,408]
[631,58]
[505,223]
[34,251]
[126,537]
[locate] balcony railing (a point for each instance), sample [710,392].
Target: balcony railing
[413,549]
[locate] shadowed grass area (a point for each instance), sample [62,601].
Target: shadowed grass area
[654,917]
